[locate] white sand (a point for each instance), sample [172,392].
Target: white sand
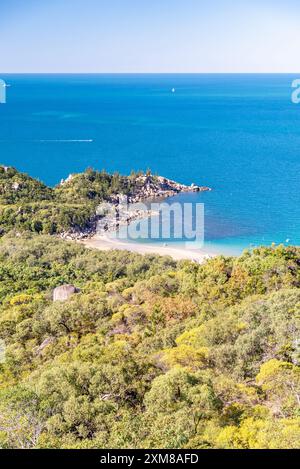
[104,243]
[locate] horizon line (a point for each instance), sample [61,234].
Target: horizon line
[149,73]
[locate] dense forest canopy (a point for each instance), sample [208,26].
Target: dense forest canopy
[149,353]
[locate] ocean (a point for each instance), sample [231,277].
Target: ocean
[238,134]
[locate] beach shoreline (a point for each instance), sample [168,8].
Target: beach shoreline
[105,243]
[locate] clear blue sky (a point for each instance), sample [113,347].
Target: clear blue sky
[149,35]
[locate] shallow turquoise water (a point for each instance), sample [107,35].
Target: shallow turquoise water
[239,134]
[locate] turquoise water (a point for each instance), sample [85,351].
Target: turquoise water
[239,134]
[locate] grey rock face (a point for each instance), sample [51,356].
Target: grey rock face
[64,292]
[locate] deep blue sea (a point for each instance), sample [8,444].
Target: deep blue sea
[239,134]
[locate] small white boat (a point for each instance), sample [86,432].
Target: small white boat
[173,90]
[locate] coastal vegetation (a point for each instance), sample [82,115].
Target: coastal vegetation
[118,350]
[29,205]
[147,352]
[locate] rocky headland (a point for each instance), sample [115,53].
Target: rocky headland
[119,210]
[74,208]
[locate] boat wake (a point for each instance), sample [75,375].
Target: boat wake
[65,141]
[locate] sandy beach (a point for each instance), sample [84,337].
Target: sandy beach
[104,243]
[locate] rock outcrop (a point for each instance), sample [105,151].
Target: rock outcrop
[151,187]
[64,292]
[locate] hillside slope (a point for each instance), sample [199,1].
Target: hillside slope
[148,352]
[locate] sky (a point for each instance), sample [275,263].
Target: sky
[149,36]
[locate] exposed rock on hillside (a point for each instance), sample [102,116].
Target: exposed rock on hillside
[64,292]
